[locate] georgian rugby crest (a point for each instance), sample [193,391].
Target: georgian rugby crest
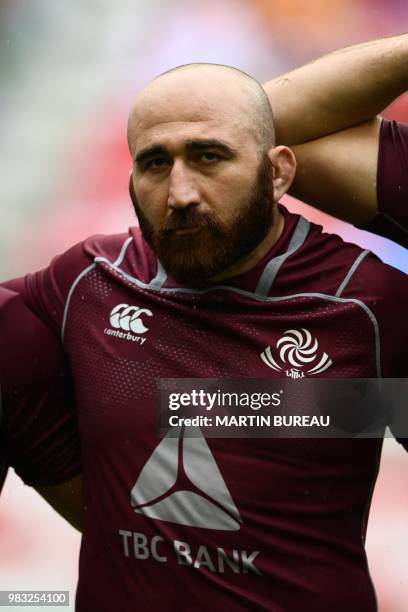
[298,354]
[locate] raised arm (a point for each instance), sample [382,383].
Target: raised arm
[339,90]
[327,111]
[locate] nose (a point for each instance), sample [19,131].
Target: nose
[183,191]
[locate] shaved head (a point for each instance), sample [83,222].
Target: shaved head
[201,90]
[259,107]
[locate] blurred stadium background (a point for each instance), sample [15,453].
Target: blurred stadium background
[68,73]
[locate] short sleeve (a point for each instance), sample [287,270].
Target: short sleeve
[47,292]
[391,220]
[38,428]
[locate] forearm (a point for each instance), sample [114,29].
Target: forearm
[337,174]
[339,90]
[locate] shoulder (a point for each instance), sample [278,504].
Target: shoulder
[383,288]
[381,291]
[127,252]
[323,261]
[117,256]
[357,278]
[112,247]
[370,277]
[109,247]
[329,264]
[392,182]
[29,351]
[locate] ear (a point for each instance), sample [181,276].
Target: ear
[284,168]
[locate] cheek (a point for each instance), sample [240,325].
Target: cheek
[152,201]
[230,196]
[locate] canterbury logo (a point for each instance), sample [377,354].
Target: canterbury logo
[129,318]
[207,503]
[300,350]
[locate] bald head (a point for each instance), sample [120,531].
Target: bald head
[207,93]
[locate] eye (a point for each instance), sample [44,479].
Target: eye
[156,163]
[209,157]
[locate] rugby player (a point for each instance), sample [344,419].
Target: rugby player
[38,428]
[216,275]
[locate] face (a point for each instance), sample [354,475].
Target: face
[195,246]
[200,187]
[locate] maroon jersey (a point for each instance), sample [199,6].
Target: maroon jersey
[38,427]
[224,524]
[391,220]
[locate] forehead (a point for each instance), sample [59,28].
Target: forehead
[172,112]
[176,135]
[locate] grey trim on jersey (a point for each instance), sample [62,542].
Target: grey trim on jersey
[131,279]
[272,268]
[158,281]
[263,298]
[351,272]
[264,284]
[269,274]
[71,291]
[122,253]
[116,263]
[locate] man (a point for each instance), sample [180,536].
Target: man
[217,276]
[328,110]
[38,429]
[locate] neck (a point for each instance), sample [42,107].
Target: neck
[255,256]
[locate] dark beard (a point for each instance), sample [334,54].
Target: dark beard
[202,255]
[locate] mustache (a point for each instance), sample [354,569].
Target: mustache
[187,218]
[180,219]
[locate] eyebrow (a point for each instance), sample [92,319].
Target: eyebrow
[150,152]
[193,146]
[212,143]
